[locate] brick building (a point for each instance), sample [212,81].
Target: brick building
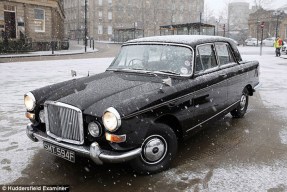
[106,17]
[37,21]
[270,24]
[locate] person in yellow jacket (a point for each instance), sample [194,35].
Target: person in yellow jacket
[278,44]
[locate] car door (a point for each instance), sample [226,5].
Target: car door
[210,94]
[235,72]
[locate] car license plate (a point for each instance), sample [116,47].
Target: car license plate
[60,152]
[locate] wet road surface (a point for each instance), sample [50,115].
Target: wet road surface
[240,147]
[248,154]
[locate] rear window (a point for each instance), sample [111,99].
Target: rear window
[205,58]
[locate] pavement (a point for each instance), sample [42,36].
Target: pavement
[74,48]
[102,50]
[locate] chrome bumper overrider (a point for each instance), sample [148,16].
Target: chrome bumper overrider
[257,86]
[98,155]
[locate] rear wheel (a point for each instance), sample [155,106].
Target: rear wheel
[158,150]
[241,109]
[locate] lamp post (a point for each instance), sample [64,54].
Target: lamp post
[217,23]
[257,32]
[277,13]
[200,18]
[86,33]
[262,30]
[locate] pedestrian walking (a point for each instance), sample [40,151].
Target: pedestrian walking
[278,44]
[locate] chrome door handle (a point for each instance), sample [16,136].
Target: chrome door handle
[223,75]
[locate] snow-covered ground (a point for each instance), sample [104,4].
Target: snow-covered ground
[16,150]
[15,80]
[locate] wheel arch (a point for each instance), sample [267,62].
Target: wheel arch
[173,123]
[249,89]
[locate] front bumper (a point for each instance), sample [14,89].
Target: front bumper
[98,155]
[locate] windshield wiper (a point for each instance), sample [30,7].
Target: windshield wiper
[140,70]
[168,72]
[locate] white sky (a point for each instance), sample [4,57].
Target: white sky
[219,5]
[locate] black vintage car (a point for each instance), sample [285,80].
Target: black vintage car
[157,92]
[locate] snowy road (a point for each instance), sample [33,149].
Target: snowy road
[248,154]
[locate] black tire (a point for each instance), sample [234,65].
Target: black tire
[241,109]
[157,158]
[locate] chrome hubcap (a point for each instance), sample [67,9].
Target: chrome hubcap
[243,102]
[154,149]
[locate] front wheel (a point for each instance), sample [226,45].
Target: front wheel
[158,150]
[241,109]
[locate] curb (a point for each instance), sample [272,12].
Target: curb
[49,55]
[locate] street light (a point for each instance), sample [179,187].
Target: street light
[277,13]
[86,33]
[217,23]
[262,31]
[257,36]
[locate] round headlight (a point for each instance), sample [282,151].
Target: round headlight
[29,101]
[111,119]
[94,129]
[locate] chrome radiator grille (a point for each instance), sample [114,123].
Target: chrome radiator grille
[64,122]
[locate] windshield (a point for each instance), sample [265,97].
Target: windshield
[170,59]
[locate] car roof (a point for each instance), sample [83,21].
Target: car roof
[183,39]
[191,40]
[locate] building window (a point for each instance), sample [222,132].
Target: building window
[110,30]
[110,15]
[173,18]
[100,14]
[39,20]
[100,29]
[110,2]
[9,8]
[180,18]
[100,2]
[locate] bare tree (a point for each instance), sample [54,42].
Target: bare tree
[155,14]
[260,3]
[208,13]
[172,11]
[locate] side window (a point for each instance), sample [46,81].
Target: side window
[205,58]
[224,54]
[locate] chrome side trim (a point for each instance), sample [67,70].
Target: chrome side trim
[170,101]
[80,120]
[213,116]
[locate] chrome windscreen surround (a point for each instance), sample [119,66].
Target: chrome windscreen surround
[67,121]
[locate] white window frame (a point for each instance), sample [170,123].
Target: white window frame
[100,29]
[43,20]
[7,8]
[110,30]
[100,14]
[110,15]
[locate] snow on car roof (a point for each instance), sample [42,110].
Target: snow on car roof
[182,39]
